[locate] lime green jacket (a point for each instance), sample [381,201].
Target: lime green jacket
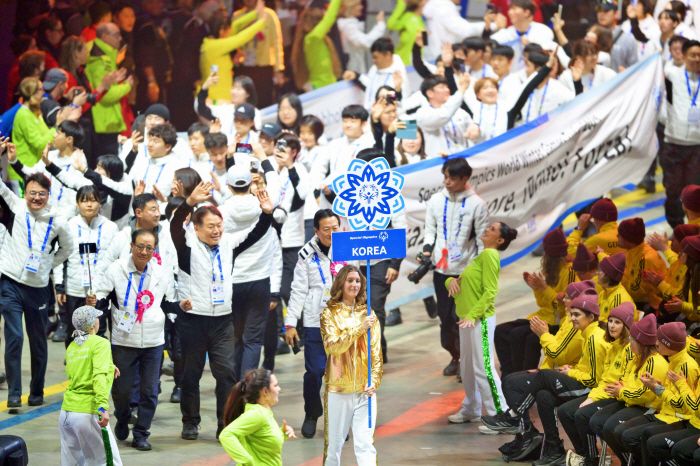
[107,112]
[90,375]
[318,56]
[478,286]
[409,24]
[30,134]
[254,438]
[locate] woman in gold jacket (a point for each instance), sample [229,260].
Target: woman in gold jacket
[344,325]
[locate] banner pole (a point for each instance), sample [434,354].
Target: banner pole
[369,347]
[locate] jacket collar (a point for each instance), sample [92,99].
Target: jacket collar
[678,357]
[127,264]
[590,329]
[458,196]
[96,222]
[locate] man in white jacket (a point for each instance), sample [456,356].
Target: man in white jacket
[445,24]
[455,219]
[37,240]
[385,64]
[355,40]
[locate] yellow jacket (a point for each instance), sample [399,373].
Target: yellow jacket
[606,238]
[694,222]
[642,257]
[634,393]
[690,397]
[672,284]
[547,299]
[267,46]
[590,367]
[345,342]
[687,309]
[691,345]
[616,361]
[671,406]
[563,348]
[610,298]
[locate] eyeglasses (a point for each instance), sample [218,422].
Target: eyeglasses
[142,248]
[37,194]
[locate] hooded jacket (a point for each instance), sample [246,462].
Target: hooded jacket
[107,112]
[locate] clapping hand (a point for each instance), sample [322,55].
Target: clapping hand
[673,377]
[538,326]
[652,276]
[649,381]
[613,389]
[658,242]
[675,304]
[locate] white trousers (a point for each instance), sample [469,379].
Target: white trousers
[81,441]
[343,410]
[478,369]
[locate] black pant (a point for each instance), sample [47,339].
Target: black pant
[262,77]
[172,346]
[576,423]
[147,362]
[449,332]
[271,337]
[251,305]
[681,167]
[514,385]
[199,336]
[684,451]
[380,290]
[636,432]
[315,361]
[105,144]
[517,346]
[604,422]
[289,261]
[72,303]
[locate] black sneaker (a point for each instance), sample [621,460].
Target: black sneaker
[553,454]
[14,402]
[121,431]
[134,415]
[394,318]
[648,184]
[176,396]
[308,428]
[141,444]
[51,327]
[189,432]
[61,333]
[452,368]
[430,306]
[35,400]
[2,377]
[531,442]
[509,448]
[169,369]
[282,347]
[503,422]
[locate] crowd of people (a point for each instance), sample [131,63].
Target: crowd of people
[218,244]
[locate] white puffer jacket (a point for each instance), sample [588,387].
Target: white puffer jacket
[150,331]
[294,188]
[100,231]
[678,131]
[308,286]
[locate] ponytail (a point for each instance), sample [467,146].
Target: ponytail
[246,391]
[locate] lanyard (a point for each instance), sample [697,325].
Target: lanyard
[159,173]
[128,289]
[320,270]
[527,118]
[694,98]
[221,273]
[247,138]
[520,36]
[483,71]
[29,232]
[99,235]
[60,193]
[284,190]
[454,131]
[444,219]
[495,115]
[590,81]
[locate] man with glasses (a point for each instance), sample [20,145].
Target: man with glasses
[36,241]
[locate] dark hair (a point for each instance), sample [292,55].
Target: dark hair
[588,314]
[339,283]
[692,280]
[369,154]
[679,8]
[491,43]
[647,352]
[532,47]
[246,391]
[240,190]
[30,62]
[474,43]
[86,192]
[583,48]
[382,45]
[43,181]
[459,46]
[21,44]
[458,167]
[539,59]
[503,51]
[421,151]
[198,128]
[525,5]
[508,234]
[686,46]
[199,214]
[550,266]
[47,23]
[324,213]
[172,205]
[215,141]
[166,132]
[604,37]
[430,82]
[135,235]
[607,281]
[113,165]
[624,335]
[675,39]
[672,15]
[249,86]
[122,5]
[292,141]
[218,21]
[355,112]
[294,101]
[314,123]
[646,4]
[73,130]
[141,200]
[99,10]
[189,177]
[381,88]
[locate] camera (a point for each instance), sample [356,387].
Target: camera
[282,145]
[426,266]
[391,98]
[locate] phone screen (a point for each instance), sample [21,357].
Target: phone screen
[425,38]
[244,149]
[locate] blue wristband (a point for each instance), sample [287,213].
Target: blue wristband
[102,410]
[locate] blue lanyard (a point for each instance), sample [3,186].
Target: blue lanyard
[527,118]
[29,232]
[247,138]
[694,98]
[483,71]
[444,219]
[520,36]
[284,190]
[128,289]
[99,235]
[454,131]
[495,115]
[60,193]
[221,273]
[159,173]
[318,264]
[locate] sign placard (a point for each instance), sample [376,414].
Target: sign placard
[369,244]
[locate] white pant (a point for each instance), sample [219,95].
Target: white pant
[478,369]
[81,441]
[342,411]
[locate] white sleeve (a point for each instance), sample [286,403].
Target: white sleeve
[104,286]
[273,186]
[13,202]
[358,38]
[304,185]
[276,277]
[567,80]
[300,288]
[463,28]
[431,119]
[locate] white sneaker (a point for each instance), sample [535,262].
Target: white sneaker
[486,431]
[459,418]
[572,459]
[608,460]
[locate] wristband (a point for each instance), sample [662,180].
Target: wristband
[102,410]
[659,390]
[74,106]
[287,327]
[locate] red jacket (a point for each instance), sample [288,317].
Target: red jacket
[503,5]
[13,79]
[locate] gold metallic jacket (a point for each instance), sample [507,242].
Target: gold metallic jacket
[345,342]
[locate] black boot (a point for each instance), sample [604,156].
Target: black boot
[531,443]
[430,306]
[451,368]
[308,428]
[394,318]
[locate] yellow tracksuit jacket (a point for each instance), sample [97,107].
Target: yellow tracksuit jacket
[671,406]
[693,347]
[590,367]
[634,393]
[642,257]
[687,310]
[610,298]
[672,284]
[563,348]
[616,361]
[547,299]
[689,390]
[606,238]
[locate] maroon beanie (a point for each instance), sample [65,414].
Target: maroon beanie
[690,197]
[587,301]
[614,266]
[573,290]
[681,231]
[624,312]
[672,335]
[585,260]
[691,246]
[554,243]
[632,230]
[644,331]
[604,210]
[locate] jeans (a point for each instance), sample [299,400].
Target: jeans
[19,300]
[147,362]
[449,332]
[251,305]
[315,362]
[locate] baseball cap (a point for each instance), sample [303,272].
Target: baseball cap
[270,129]
[607,5]
[239,176]
[246,111]
[54,77]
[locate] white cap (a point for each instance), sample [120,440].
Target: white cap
[239,176]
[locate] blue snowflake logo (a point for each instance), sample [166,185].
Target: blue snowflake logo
[368,194]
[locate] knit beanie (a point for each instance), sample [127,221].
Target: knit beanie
[587,301]
[604,210]
[690,197]
[585,260]
[691,246]
[672,335]
[632,230]
[644,331]
[614,266]
[159,110]
[573,290]
[554,243]
[681,231]
[624,312]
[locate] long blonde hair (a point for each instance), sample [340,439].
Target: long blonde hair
[339,283]
[27,89]
[67,59]
[301,71]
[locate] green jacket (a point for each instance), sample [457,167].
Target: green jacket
[90,375]
[409,25]
[30,134]
[478,286]
[254,438]
[318,56]
[107,113]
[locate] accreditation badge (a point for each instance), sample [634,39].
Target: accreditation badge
[33,261]
[127,319]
